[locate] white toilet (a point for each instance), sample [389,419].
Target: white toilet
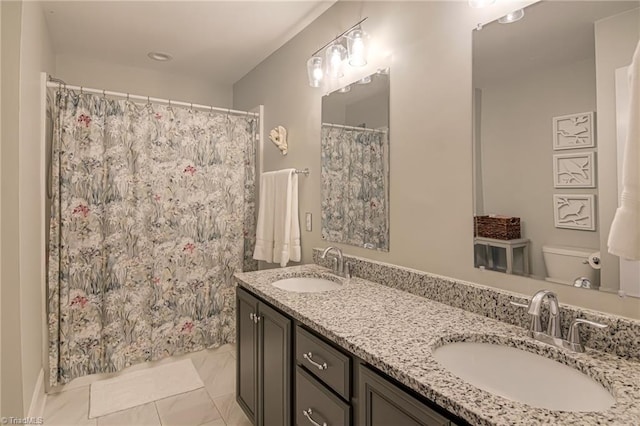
[564,264]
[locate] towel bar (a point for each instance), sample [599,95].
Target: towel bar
[303,172]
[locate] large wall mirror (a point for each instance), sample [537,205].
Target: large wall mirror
[355,163]
[545,142]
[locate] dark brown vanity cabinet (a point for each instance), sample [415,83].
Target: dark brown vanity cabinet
[263,380]
[289,375]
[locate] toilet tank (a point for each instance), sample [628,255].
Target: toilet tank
[564,264]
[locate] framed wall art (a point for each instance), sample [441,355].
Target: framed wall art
[574,211]
[573,131]
[575,170]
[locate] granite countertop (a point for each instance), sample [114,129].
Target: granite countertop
[396,331]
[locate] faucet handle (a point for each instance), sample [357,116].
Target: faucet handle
[519,305]
[347,270]
[334,264]
[574,336]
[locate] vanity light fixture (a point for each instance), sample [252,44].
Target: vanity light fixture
[481,3]
[514,16]
[357,47]
[335,59]
[364,80]
[350,46]
[345,89]
[314,71]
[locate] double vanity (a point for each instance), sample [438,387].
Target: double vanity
[315,348]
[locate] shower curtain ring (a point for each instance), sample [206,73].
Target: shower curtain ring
[127,96]
[81,90]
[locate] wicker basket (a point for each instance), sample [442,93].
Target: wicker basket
[497,227]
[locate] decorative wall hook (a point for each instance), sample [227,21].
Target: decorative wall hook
[278,136]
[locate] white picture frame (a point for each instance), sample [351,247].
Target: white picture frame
[573,131]
[574,170]
[574,211]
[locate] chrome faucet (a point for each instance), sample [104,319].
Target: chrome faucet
[553,335]
[339,267]
[553,325]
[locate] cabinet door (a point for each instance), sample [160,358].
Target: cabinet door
[247,347]
[274,358]
[382,403]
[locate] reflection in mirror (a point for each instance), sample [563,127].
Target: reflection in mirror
[544,140]
[355,163]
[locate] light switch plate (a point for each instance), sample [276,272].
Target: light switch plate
[307,217]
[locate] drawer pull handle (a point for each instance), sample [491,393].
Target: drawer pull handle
[308,413]
[309,357]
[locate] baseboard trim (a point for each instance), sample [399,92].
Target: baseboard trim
[38,399]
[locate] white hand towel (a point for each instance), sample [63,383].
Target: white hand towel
[278,230]
[624,237]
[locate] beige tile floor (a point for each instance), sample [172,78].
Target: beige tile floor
[213,405]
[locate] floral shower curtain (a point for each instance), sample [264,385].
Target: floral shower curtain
[152,213]
[355,173]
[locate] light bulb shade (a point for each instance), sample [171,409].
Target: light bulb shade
[314,71]
[336,54]
[481,3]
[514,16]
[357,45]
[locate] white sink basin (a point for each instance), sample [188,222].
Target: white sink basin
[524,377]
[306,284]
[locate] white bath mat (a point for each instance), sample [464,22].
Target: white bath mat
[143,386]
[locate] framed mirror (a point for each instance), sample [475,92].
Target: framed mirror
[544,141]
[355,163]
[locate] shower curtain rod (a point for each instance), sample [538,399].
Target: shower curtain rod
[53,82]
[340,126]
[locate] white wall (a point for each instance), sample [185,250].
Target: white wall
[11,367]
[431,125]
[517,150]
[616,39]
[80,71]
[36,56]
[25,53]
[0,214]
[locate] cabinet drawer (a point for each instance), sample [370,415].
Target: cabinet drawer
[319,404]
[328,364]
